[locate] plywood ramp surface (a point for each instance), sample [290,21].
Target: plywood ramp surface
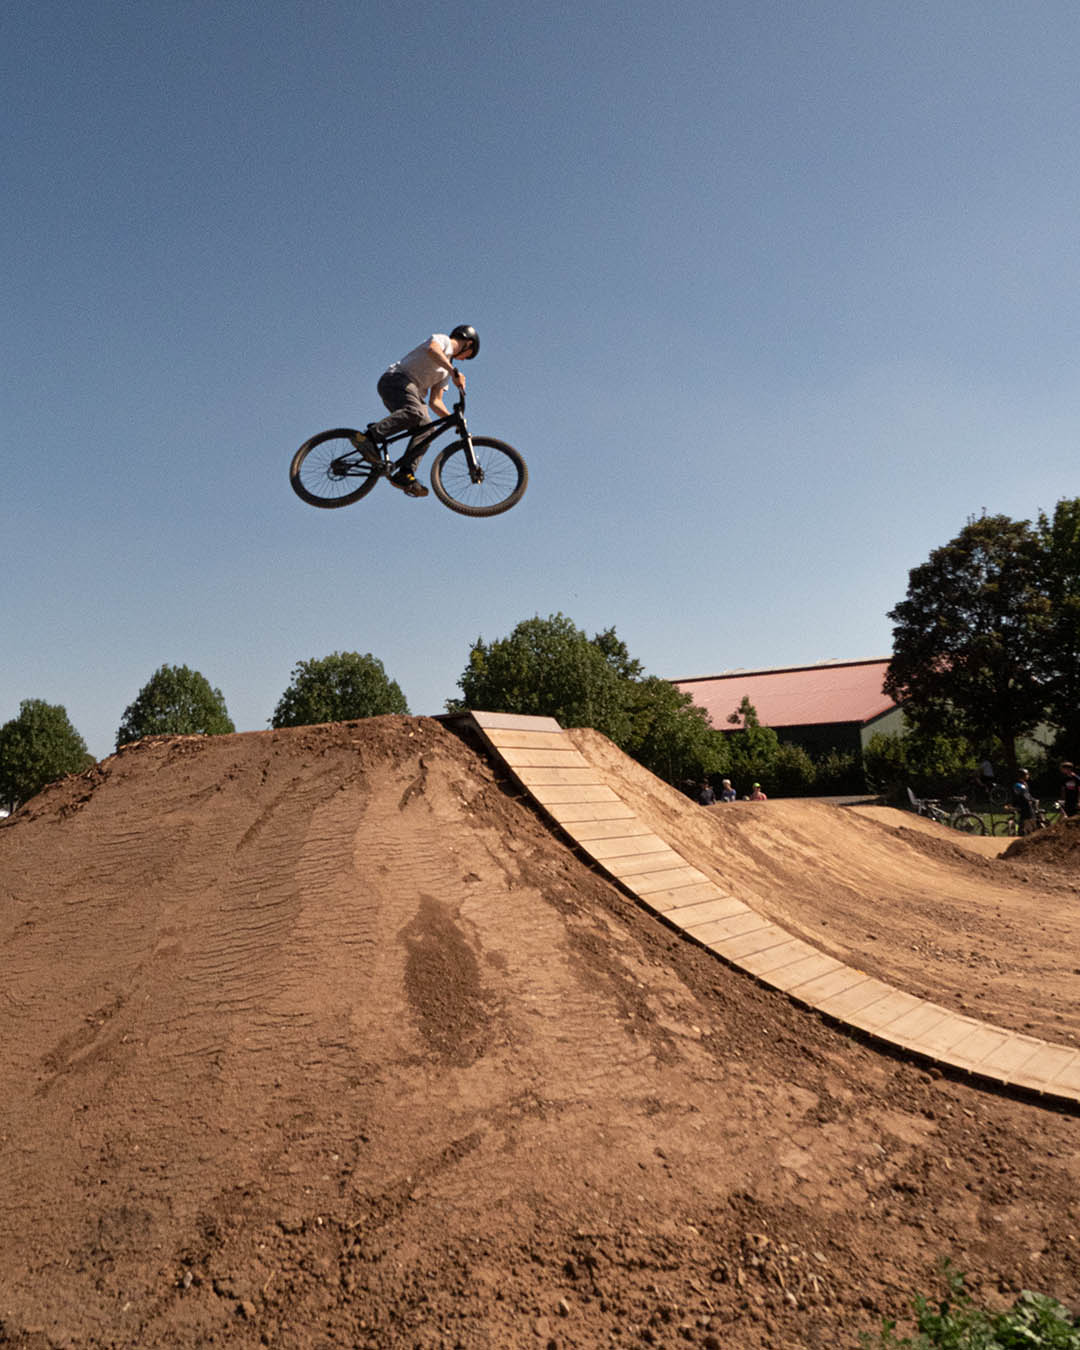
[588,808]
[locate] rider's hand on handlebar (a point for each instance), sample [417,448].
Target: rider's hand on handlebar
[458,377]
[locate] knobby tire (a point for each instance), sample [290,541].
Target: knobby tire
[504,483]
[329,471]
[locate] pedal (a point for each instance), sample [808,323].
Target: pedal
[368,449]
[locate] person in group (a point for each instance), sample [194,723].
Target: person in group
[1023,802]
[706,796]
[424,374]
[727,792]
[756,794]
[1070,789]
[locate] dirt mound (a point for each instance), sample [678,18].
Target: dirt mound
[1057,846]
[319,1038]
[913,903]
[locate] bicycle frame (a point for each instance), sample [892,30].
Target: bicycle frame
[432,431]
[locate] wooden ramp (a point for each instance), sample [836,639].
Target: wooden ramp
[574,794]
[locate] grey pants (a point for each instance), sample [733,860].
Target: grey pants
[407,409]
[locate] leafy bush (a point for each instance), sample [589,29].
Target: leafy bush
[37,747]
[175,701]
[1034,1322]
[341,687]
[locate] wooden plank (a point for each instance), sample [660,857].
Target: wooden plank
[820,987]
[574,813]
[634,864]
[665,901]
[564,758]
[1008,1059]
[528,740]
[973,1048]
[847,1002]
[703,911]
[625,846]
[547,777]
[888,1009]
[514,722]
[585,831]
[913,1023]
[599,792]
[714,933]
[761,949]
[645,882]
[1044,1066]
[782,974]
[1068,1080]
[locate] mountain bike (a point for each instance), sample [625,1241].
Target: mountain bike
[473,475]
[1009,824]
[959,818]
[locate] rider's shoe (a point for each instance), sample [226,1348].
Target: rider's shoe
[367,444]
[407,482]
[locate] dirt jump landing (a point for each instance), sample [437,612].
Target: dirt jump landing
[320,1038]
[692,869]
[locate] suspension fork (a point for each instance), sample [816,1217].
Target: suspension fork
[476,473]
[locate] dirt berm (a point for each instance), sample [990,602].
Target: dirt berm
[321,1038]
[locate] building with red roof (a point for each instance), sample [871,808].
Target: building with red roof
[837,705]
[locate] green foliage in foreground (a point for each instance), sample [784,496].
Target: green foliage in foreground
[1034,1322]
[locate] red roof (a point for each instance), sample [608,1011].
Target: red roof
[838,691]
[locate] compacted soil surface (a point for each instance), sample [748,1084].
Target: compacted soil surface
[322,1037]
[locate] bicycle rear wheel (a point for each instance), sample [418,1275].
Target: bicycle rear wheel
[501,482]
[329,471]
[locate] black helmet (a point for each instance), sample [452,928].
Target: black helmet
[465,332]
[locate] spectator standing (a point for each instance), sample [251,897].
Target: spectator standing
[1023,802]
[727,792]
[757,795]
[1070,789]
[706,796]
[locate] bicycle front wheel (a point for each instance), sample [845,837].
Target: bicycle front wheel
[499,483]
[329,471]
[968,823]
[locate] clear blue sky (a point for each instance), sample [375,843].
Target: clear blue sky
[772,296]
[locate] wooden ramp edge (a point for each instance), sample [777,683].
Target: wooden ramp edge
[576,796]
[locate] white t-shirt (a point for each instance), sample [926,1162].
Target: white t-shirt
[422,368]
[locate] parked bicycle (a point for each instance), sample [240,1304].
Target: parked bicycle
[473,475]
[959,818]
[1009,824]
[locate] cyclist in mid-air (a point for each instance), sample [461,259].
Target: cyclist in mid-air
[422,375]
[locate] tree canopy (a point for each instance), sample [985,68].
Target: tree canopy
[175,701]
[550,668]
[971,635]
[1059,649]
[338,688]
[37,747]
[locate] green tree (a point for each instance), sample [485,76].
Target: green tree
[37,747]
[549,668]
[966,637]
[671,736]
[1059,649]
[932,764]
[753,748]
[175,701]
[340,687]
[792,772]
